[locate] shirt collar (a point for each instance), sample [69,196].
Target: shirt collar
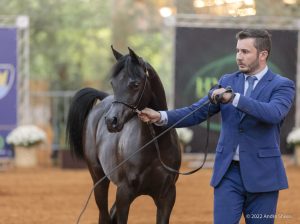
[260,74]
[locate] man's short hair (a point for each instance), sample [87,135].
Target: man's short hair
[262,38]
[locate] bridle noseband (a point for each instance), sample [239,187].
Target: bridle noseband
[134,107]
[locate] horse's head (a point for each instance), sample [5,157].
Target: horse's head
[131,87]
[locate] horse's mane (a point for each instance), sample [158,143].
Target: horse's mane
[158,89]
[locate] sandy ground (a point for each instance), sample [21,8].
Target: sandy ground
[53,195]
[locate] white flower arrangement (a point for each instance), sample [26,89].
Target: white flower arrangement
[293,137]
[26,136]
[185,135]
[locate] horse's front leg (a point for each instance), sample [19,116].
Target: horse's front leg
[101,193]
[164,204]
[124,199]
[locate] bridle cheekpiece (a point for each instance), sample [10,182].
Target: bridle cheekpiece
[135,107]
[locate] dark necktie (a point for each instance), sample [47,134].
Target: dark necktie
[251,80]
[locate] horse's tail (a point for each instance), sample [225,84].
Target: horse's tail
[81,105]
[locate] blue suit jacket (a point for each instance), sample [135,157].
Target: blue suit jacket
[254,125]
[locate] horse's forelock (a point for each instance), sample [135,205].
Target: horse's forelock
[131,67]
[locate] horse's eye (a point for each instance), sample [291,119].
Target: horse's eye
[134,84]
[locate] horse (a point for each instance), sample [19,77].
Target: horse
[105,130]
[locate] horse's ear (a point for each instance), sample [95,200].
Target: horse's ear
[117,54]
[134,56]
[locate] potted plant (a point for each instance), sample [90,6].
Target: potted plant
[293,138]
[185,136]
[25,140]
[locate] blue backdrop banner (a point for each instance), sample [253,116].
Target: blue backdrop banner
[8,86]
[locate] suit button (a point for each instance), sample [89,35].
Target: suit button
[241,130]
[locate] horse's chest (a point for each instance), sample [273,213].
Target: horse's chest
[118,147]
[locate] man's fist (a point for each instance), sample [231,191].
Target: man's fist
[149,115]
[226,96]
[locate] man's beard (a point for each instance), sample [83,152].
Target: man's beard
[250,69]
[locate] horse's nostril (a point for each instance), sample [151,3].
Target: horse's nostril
[114,121]
[111,122]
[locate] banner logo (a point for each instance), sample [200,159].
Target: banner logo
[7,78]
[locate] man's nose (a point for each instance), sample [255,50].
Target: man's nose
[239,55]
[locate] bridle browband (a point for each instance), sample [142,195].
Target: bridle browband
[134,108]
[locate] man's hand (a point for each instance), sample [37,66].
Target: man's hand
[226,97]
[149,115]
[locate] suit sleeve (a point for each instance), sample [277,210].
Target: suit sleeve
[195,118]
[276,109]
[200,115]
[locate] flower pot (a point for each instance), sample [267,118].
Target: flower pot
[297,154]
[25,157]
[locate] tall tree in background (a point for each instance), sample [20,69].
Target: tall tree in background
[76,36]
[69,35]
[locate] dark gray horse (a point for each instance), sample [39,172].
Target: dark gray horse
[107,133]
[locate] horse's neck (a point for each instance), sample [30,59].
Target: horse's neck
[157,104]
[158,99]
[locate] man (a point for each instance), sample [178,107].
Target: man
[248,170]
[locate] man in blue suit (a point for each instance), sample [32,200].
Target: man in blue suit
[248,170]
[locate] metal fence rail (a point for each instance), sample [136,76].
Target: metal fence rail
[50,109]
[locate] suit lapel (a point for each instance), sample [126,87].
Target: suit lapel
[240,83]
[259,87]
[262,84]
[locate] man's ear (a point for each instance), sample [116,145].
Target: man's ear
[264,54]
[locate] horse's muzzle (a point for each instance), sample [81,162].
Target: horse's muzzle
[112,124]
